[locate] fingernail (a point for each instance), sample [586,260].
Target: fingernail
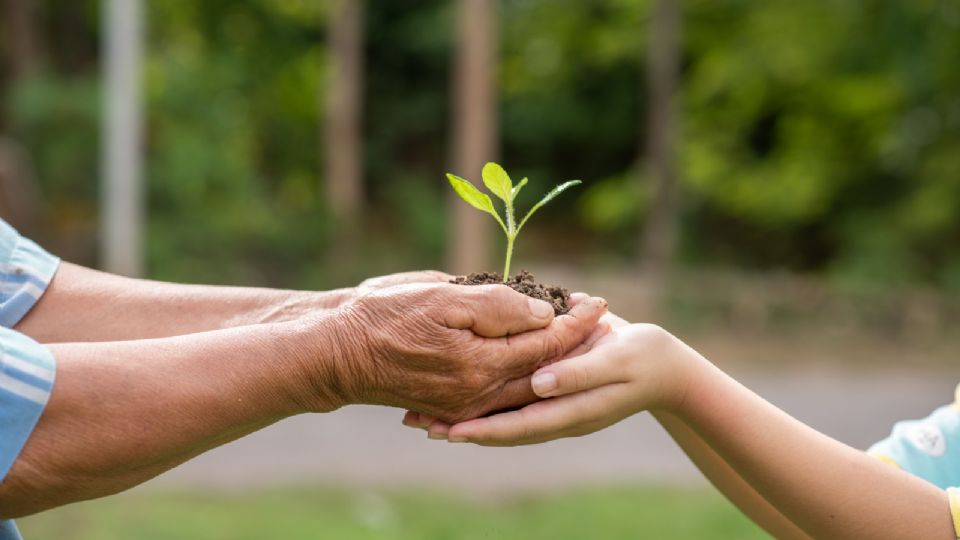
[544,383]
[539,308]
[601,302]
[438,430]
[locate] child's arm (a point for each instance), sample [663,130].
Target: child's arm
[724,478]
[826,488]
[728,482]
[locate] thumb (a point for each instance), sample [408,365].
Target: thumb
[495,310]
[592,369]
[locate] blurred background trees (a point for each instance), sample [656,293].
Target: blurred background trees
[819,138]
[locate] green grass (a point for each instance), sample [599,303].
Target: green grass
[627,513]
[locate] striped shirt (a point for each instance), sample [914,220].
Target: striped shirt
[26,368]
[928,448]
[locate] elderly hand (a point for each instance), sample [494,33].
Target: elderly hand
[451,351]
[620,370]
[401,278]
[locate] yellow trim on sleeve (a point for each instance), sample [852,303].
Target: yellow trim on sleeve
[953,494]
[956,397]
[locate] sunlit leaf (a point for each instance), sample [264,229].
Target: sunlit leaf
[516,189]
[497,181]
[547,198]
[469,193]
[474,197]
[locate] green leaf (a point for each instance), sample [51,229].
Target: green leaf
[516,189]
[497,181]
[474,197]
[558,190]
[547,198]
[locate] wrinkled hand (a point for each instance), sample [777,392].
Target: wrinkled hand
[438,428]
[604,380]
[450,351]
[401,278]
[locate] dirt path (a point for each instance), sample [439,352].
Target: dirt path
[367,446]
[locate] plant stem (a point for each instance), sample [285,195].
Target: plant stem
[506,267]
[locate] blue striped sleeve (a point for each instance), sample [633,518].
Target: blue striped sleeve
[27,372]
[8,530]
[928,448]
[25,271]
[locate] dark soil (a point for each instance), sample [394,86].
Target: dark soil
[522,282]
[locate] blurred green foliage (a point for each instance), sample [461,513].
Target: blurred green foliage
[611,514]
[817,136]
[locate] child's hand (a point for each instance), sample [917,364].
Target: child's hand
[633,368]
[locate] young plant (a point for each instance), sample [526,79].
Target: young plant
[499,183]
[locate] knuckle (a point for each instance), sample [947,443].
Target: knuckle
[553,346]
[436,275]
[474,382]
[576,378]
[428,293]
[524,428]
[494,296]
[460,352]
[652,334]
[366,303]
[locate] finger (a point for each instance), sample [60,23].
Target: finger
[417,420]
[515,393]
[576,298]
[411,419]
[519,355]
[589,370]
[438,430]
[565,416]
[495,310]
[599,332]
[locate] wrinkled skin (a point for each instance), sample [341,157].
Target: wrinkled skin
[401,278]
[451,351]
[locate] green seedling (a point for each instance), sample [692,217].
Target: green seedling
[499,183]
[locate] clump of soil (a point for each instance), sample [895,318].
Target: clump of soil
[522,282]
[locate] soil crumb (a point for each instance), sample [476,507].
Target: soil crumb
[522,282]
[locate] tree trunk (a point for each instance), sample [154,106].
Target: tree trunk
[474,129]
[344,171]
[19,197]
[659,239]
[122,197]
[23,43]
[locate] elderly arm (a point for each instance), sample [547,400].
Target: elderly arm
[123,412]
[81,304]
